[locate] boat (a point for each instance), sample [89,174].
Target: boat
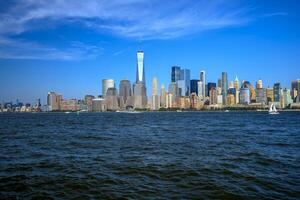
[178,110]
[272,110]
[226,111]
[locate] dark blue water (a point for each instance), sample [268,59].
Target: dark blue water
[235,155]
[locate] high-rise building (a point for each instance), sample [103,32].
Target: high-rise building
[259,84]
[163,96]
[200,88]
[139,88]
[236,83]
[99,105]
[277,89]
[261,95]
[270,95]
[112,99]
[244,95]
[213,96]
[175,74]
[107,83]
[211,85]
[155,99]
[140,69]
[295,91]
[53,101]
[203,80]
[182,78]
[125,94]
[194,86]
[184,82]
[224,87]
[88,100]
[286,98]
[247,84]
[230,99]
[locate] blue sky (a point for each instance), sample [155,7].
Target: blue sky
[69,46]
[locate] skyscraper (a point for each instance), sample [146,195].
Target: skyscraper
[163,96]
[236,83]
[140,69]
[203,80]
[295,90]
[175,74]
[107,83]
[224,87]
[139,88]
[194,86]
[125,94]
[210,86]
[276,90]
[259,84]
[53,101]
[155,100]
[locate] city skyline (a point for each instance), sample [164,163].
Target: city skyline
[71,49]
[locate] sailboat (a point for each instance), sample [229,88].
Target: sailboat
[272,109]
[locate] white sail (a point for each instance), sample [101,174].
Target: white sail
[271,108]
[274,108]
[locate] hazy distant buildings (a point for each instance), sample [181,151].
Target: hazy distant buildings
[53,101]
[99,105]
[107,83]
[69,105]
[295,91]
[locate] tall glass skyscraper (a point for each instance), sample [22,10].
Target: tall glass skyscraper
[182,78]
[202,79]
[140,70]
[139,88]
[224,83]
[175,74]
[194,86]
[276,90]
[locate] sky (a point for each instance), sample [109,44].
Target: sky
[69,46]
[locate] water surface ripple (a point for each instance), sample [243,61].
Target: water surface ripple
[166,155]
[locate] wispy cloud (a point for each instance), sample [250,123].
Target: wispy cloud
[133,19]
[19,49]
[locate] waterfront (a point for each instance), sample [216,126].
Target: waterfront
[159,155]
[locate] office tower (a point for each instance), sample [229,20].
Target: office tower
[276,89]
[194,100]
[295,91]
[213,96]
[259,84]
[125,94]
[107,83]
[270,95]
[231,84]
[53,101]
[88,100]
[69,105]
[140,69]
[175,74]
[182,78]
[111,99]
[286,98]
[203,80]
[211,85]
[236,83]
[194,86]
[200,88]
[219,83]
[139,88]
[162,97]
[224,87]
[184,82]
[261,95]
[230,99]
[247,84]
[169,100]
[155,99]
[244,95]
[99,105]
